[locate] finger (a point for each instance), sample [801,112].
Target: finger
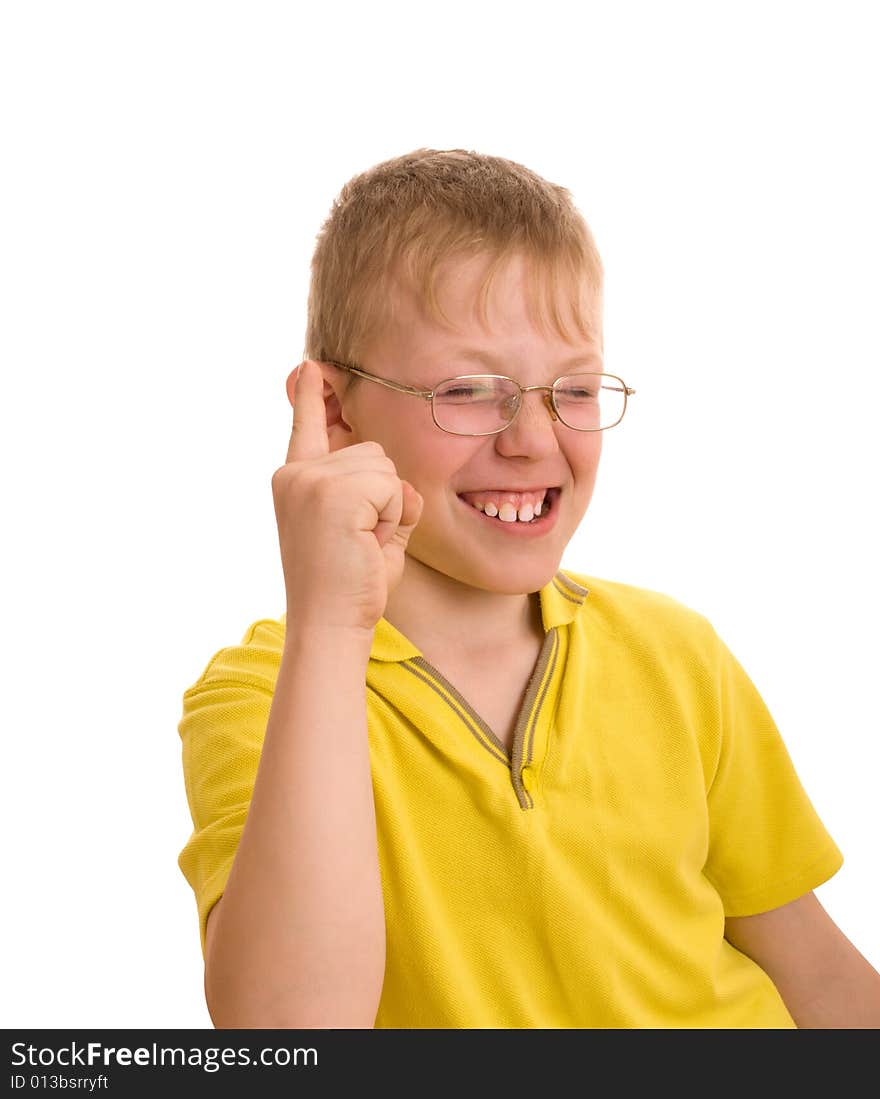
[308,436]
[405,519]
[389,518]
[413,502]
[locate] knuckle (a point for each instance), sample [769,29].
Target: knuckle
[297,473]
[309,479]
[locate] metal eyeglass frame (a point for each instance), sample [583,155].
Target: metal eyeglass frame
[549,398]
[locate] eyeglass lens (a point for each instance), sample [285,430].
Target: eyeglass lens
[478,405]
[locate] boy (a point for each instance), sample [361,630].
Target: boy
[455,785]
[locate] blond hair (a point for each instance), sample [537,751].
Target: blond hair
[404,217]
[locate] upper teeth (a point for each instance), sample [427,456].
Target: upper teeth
[508,512]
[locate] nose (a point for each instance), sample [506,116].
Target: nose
[545,391]
[531,430]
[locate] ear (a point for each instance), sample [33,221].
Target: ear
[338,431]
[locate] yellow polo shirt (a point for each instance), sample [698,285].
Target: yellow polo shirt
[580,881]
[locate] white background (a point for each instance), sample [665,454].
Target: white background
[167,167]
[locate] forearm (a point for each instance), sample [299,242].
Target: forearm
[843,995]
[300,937]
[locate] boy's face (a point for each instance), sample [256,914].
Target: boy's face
[452,537]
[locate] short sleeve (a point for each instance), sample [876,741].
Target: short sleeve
[224,720]
[767,845]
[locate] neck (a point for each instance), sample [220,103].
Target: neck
[439,613]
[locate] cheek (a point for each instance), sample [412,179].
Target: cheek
[431,461]
[583,453]
[424,459]
[591,451]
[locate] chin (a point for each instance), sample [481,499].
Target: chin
[527,576]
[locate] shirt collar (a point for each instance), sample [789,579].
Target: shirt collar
[561,599]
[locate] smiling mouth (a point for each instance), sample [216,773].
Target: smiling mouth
[548,508]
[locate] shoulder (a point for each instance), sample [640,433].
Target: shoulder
[643,620]
[619,604]
[253,661]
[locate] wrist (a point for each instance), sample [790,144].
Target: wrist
[302,634]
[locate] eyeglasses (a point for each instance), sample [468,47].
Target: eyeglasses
[485,404]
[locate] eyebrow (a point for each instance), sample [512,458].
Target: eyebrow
[490,359]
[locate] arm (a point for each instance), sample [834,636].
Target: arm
[823,980]
[298,937]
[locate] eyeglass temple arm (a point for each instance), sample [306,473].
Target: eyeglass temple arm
[426,394]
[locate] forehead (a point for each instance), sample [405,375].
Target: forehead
[478,298]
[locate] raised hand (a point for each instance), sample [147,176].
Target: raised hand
[344,520]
